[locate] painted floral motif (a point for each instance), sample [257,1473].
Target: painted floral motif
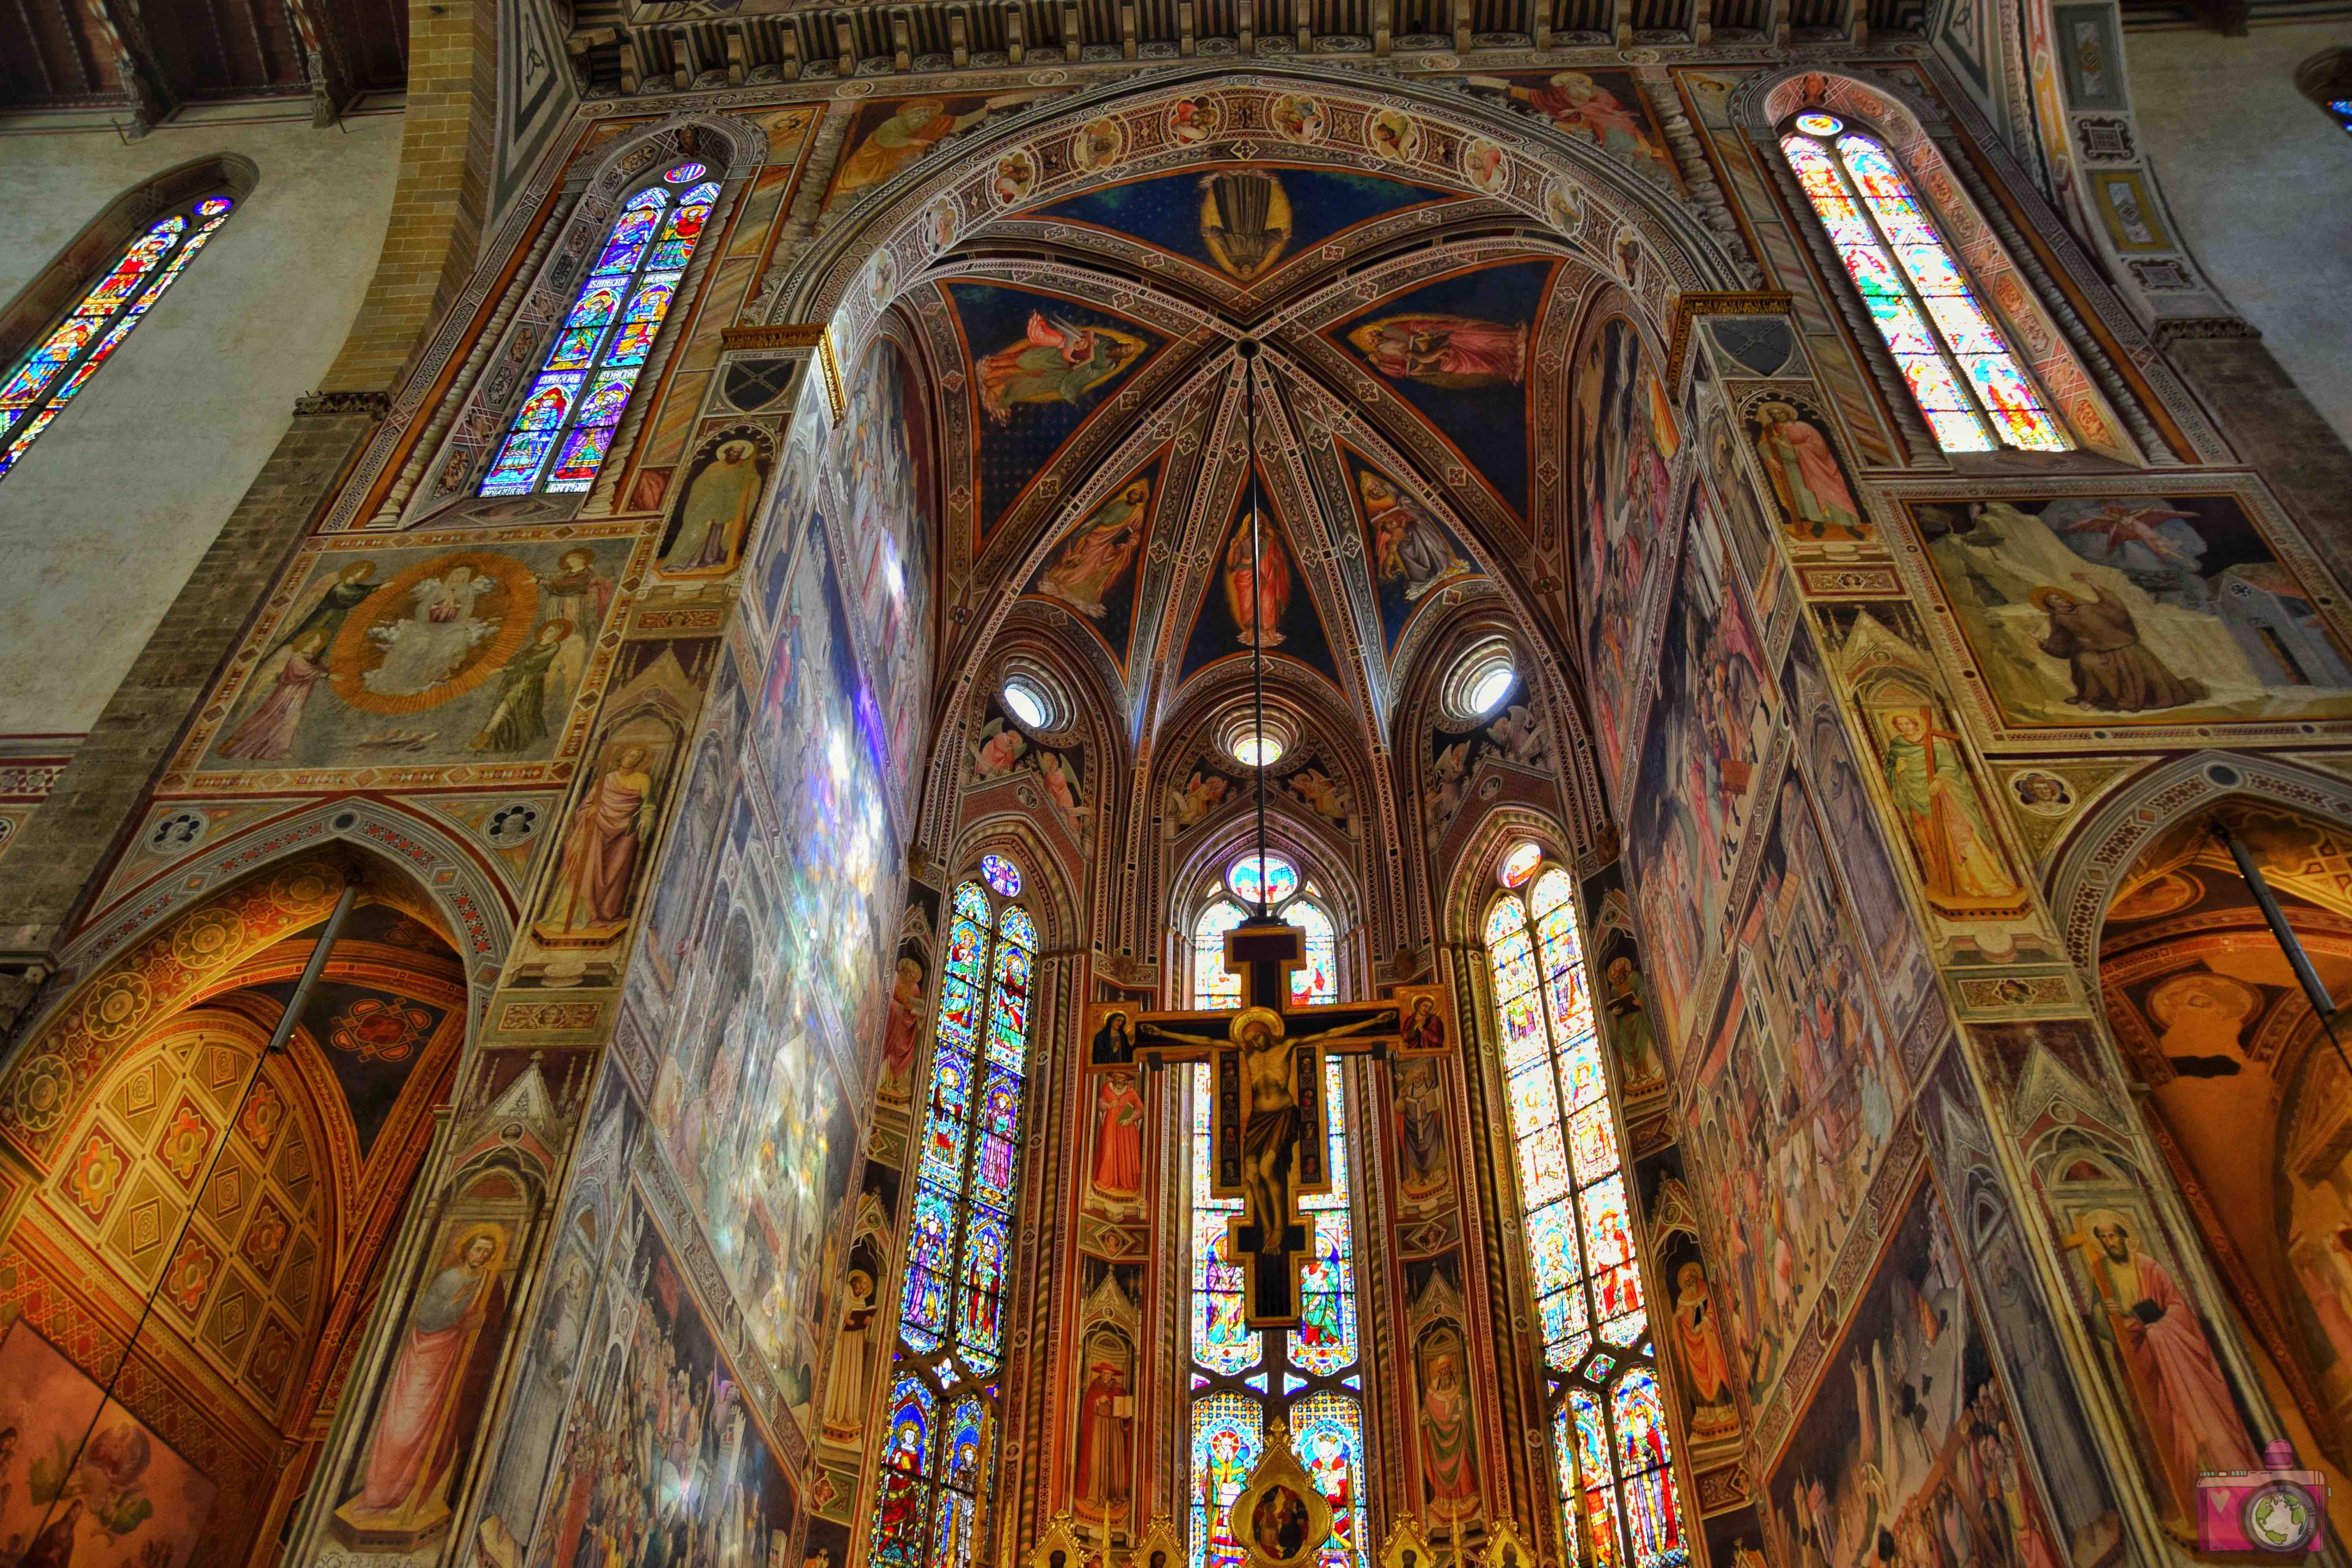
[379,1029]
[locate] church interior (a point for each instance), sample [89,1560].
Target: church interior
[1175,783]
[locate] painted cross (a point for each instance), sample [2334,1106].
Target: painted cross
[1271,1128]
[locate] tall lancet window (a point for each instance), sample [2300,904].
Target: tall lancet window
[929,1511]
[565,427]
[1238,1374]
[65,360]
[1974,391]
[1608,1419]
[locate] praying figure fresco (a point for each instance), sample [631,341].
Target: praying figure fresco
[2135,610]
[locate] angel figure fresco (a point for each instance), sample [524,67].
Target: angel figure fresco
[1200,795]
[530,686]
[1256,598]
[1097,557]
[998,751]
[292,675]
[1056,362]
[330,606]
[431,642]
[1323,794]
[1408,546]
[1805,475]
[1457,353]
[1583,108]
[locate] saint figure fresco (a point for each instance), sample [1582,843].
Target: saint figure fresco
[1056,362]
[1096,559]
[1454,352]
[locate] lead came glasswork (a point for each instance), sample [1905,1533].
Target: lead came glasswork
[928,1506]
[61,365]
[1611,1444]
[1971,389]
[644,255]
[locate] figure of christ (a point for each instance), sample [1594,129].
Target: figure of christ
[1272,1128]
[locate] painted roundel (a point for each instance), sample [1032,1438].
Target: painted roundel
[1001,875]
[1297,118]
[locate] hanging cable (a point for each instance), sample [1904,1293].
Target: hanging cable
[284,1032]
[1248,351]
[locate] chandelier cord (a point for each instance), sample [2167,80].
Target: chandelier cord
[1248,351]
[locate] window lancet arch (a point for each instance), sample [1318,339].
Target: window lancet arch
[928,1507]
[1610,1439]
[70,354]
[1975,394]
[564,428]
[1234,1371]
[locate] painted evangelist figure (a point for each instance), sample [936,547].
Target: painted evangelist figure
[2135,609]
[1452,351]
[1056,361]
[434,1393]
[1093,565]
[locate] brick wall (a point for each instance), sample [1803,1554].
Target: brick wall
[436,213]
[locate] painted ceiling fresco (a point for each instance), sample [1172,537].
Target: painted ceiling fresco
[1248,221]
[1103,396]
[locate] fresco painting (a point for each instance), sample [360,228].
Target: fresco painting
[1603,109]
[1412,554]
[703,1474]
[1711,710]
[418,656]
[1512,737]
[882,462]
[1040,366]
[1269,607]
[1093,569]
[1796,1095]
[1627,437]
[2135,610]
[1456,351]
[1913,1453]
[1245,221]
[80,1477]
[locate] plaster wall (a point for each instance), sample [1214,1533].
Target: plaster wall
[103,520]
[2261,184]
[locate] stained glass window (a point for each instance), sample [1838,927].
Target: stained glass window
[1317,982]
[936,1456]
[1609,1432]
[1316,1373]
[1974,392]
[565,427]
[1278,875]
[37,391]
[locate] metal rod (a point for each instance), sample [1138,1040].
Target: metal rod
[2315,990]
[284,1032]
[1257,616]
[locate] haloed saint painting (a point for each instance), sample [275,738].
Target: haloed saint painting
[415,658]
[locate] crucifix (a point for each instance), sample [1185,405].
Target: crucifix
[1270,1127]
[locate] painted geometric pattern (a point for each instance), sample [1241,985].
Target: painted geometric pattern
[248,1257]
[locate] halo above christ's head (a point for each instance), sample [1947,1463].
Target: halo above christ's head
[1240,1026]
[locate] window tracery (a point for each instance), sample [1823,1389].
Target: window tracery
[1974,392]
[65,360]
[928,1507]
[583,388]
[1234,1375]
[1609,1426]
